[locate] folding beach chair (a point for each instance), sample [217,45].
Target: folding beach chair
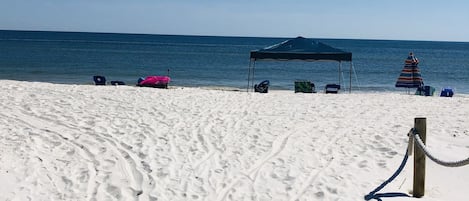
[304,86]
[262,87]
[115,82]
[425,91]
[99,80]
[332,88]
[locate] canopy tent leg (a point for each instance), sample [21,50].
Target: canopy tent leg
[350,78]
[342,76]
[249,74]
[252,65]
[340,72]
[252,77]
[356,76]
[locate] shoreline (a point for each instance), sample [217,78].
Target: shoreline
[235,89]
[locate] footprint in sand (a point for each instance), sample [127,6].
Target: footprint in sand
[83,176]
[162,172]
[146,166]
[382,163]
[332,190]
[319,194]
[114,192]
[363,164]
[108,164]
[378,137]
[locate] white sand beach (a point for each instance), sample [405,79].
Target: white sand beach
[84,142]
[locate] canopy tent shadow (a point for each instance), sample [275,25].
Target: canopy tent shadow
[302,49]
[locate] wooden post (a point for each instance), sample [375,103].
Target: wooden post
[420,126]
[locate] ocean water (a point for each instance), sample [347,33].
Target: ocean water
[208,61]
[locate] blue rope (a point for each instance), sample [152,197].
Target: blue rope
[373,195]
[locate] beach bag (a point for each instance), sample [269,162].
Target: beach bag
[447,92]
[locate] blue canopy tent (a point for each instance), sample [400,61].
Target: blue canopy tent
[299,49]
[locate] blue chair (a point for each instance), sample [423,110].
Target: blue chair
[99,80]
[262,87]
[140,80]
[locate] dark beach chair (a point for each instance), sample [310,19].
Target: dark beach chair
[262,87]
[99,80]
[425,91]
[332,88]
[117,83]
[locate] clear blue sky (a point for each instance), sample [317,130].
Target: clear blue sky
[368,19]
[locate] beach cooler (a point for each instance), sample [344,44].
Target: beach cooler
[155,81]
[425,91]
[304,86]
[447,92]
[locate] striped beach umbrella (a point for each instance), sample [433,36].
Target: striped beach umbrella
[410,76]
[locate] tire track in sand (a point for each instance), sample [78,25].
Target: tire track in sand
[84,152]
[97,171]
[315,173]
[277,146]
[140,181]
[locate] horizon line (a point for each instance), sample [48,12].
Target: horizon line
[228,36]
